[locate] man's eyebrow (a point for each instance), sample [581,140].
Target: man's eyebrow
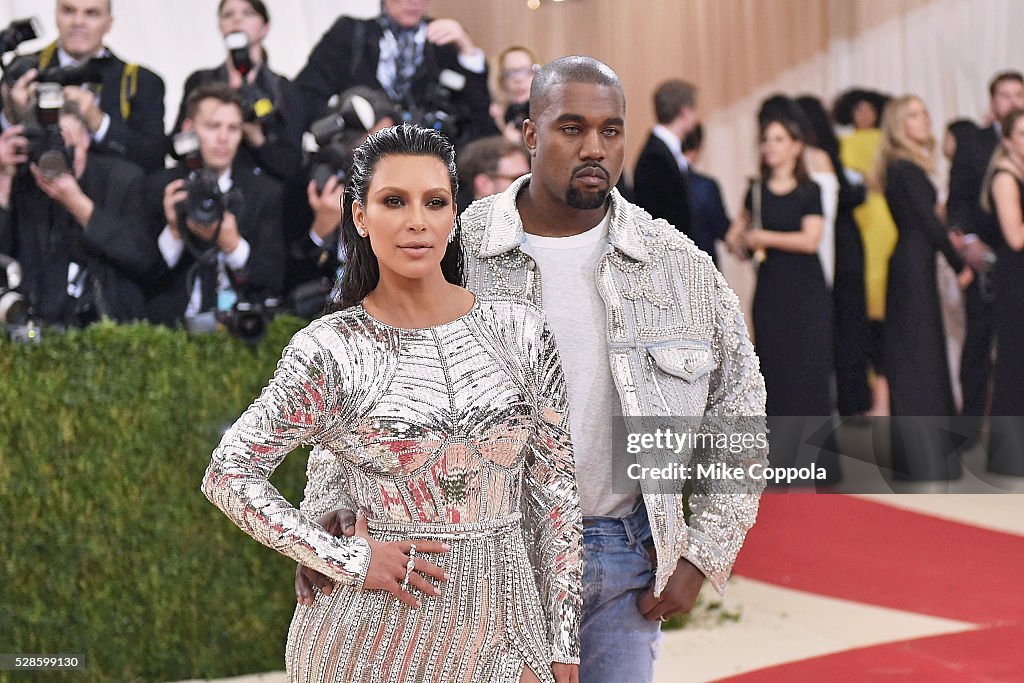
[579,118]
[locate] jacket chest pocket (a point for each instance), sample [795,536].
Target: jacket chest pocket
[680,371]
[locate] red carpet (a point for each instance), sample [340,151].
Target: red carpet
[870,553]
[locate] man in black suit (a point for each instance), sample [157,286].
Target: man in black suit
[206,267]
[78,235]
[709,222]
[660,181]
[423,64]
[124,112]
[980,235]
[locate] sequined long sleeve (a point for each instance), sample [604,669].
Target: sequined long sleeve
[724,509]
[298,406]
[552,503]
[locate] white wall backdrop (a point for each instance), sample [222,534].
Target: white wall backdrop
[176,38]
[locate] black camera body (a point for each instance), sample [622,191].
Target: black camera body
[257,106]
[46,146]
[516,113]
[438,110]
[17,32]
[89,71]
[331,139]
[204,204]
[247,319]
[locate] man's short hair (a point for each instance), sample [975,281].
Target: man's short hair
[110,6]
[483,156]
[572,69]
[221,92]
[672,97]
[1002,77]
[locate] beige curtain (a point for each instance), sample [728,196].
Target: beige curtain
[737,51]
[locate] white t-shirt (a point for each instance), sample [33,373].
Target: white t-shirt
[577,317]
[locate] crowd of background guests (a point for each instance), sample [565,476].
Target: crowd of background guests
[109,217]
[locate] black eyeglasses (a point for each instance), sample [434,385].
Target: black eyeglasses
[521,71]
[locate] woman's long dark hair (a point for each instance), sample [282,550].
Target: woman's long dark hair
[362,272]
[820,133]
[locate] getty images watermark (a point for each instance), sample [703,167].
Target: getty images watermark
[665,440]
[742,455]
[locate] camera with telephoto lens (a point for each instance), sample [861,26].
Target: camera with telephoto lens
[15,313]
[330,140]
[46,147]
[257,106]
[17,32]
[89,71]
[438,111]
[204,203]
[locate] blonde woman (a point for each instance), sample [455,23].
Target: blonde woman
[517,66]
[915,340]
[1002,195]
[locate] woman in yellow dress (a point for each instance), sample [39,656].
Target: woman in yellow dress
[858,150]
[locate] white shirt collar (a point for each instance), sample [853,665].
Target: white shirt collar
[224,182]
[66,60]
[674,144]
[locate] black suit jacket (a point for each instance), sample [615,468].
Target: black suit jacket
[259,222]
[660,187]
[710,221]
[348,54]
[113,247]
[281,155]
[970,162]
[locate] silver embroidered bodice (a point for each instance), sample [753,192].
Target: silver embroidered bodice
[456,424]
[678,347]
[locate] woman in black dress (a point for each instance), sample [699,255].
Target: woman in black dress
[781,226]
[915,340]
[1004,197]
[849,298]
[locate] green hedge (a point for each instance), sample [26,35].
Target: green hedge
[107,546]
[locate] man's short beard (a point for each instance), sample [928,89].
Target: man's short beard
[578,200]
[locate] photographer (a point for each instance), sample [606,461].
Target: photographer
[77,233]
[315,249]
[272,128]
[124,110]
[427,66]
[218,229]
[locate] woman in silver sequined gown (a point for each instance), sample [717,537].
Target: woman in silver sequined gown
[454,432]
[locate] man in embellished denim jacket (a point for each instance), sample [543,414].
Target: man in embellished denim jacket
[646,327]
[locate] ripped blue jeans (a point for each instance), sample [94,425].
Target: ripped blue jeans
[617,645]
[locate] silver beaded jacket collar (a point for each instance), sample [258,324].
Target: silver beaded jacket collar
[678,347]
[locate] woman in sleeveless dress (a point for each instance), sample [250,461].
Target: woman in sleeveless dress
[446,418]
[791,311]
